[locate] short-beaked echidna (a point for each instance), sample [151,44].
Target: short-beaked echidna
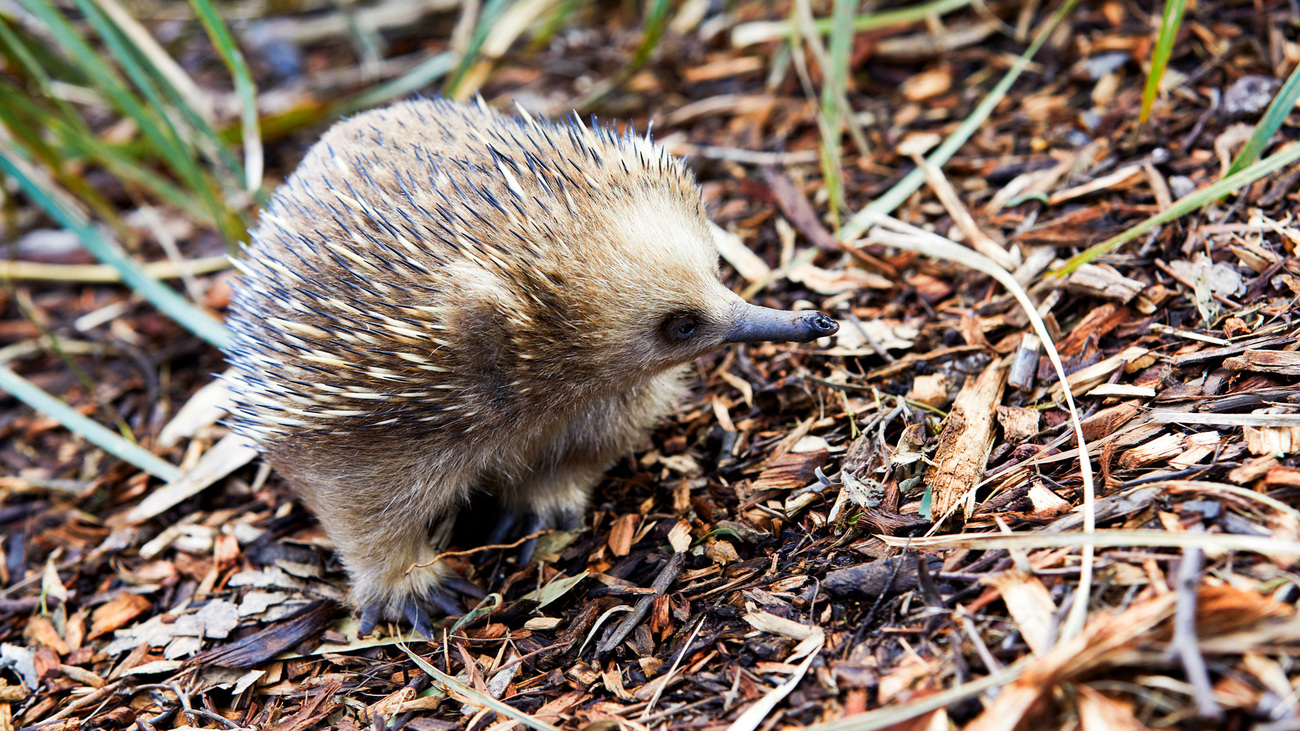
[443,300]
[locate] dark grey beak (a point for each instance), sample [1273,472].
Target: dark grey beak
[754,324]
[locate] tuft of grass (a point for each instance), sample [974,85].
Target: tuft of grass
[243,78]
[173,153]
[1170,21]
[60,61]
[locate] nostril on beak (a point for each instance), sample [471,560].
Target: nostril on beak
[823,324]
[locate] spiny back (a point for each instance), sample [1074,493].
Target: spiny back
[432,263]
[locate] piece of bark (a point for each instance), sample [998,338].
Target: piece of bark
[1025,363]
[796,207]
[1281,362]
[306,624]
[888,522]
[886,576]
[1086,379]
[1160,449]
[931,390]
[1018,423]
[1102,281]
[790,471]
[1096,323]
[672,568]
[1203,356]
[965,440]
[1253,469]
[115,613]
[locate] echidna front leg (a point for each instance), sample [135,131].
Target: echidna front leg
[396,575]
[552,492]
[388,523]
[551,497]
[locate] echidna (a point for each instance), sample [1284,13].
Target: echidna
[443,300]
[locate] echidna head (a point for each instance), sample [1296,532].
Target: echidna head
[654,299]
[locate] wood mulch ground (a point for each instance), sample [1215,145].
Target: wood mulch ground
[822,534]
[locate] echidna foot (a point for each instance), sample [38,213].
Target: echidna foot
[532,524]
[420,610]
[514,525]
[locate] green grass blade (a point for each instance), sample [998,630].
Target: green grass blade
[894,197]
[546,31]
[834,85]
[93,432]
[51,200]
[180,90]
[1170,21]
[492,10]
[136,70]
[102,75]
[243,78]
[758,32]
[155,127]
[652,29]
[1269,124]
[32,124]
[418,77]
[1187,204]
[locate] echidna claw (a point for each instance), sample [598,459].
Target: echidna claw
[464,587]
[419,611]
[502,529]
[532,524]
[419,617]
[369,618]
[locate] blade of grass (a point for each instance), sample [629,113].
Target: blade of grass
[893,716]
[158,59]
[136,69]
[547,30]
[748,34]
[1187,204]
[85,145]
[911,182]
[656,20]
[1170,21]
[180,89]
[159,131]
[652,29]
[834,83]
[92,431]
[491,10]
[428,71]
[234,60]
[53,201]
[1278,110]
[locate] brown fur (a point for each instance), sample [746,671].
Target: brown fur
[442,299]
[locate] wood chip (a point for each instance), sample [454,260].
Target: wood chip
[965,439]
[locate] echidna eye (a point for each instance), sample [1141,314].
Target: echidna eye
[679,328]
